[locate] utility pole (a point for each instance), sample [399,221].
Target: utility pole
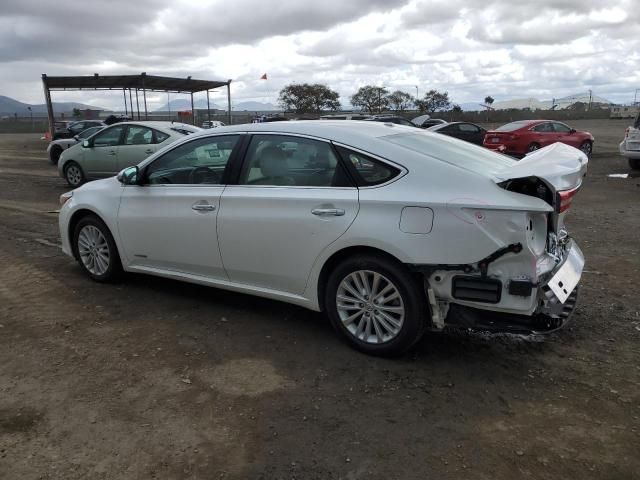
[417,95]
[590,100]
[635,97]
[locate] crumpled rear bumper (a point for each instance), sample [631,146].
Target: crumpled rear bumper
[557,298]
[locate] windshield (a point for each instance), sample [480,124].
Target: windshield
[452,151]
[89,131]
[510,127]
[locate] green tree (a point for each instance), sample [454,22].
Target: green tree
[434,101]
[370,98]
[305,98]
[77,113]
[488,100]
[456,109]
[399,100]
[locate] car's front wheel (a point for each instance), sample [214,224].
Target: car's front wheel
[376,304]
[96,250]
[73,174]
[634,163]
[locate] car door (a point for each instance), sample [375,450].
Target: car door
[169,222]
[101,156]
[471,133]
[450,130]
[544,134]
[138,144]
[565,135]
[293,198]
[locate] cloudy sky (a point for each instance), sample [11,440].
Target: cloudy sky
[505,48]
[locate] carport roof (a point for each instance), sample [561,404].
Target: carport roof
[141,81]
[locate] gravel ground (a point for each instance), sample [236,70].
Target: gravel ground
[152,378]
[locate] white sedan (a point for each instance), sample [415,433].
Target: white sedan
[388,229]
[115,147]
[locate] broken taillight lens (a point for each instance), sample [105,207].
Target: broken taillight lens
[564,198]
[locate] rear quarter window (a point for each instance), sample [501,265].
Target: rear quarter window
[368,171]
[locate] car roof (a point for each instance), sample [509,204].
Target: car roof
[359,134]
[159,124]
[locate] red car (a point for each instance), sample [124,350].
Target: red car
[525,136]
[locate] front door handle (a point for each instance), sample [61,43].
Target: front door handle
[148,152]
[203,207]
[111,152]
[336,212]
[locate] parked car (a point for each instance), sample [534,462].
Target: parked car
[345,116]
[117,146]
[56,147]
[398,120]
[70,129]
[212,124]
[526,136]
[467,131]
[389,230]
[425,121]
[630,145]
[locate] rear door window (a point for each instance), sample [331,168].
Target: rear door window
[291,161]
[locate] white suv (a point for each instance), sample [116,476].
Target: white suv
[630,145]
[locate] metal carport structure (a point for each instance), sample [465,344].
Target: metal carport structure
[138,83]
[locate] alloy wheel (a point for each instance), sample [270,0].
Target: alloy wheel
[93,250]
[370,307]
[74,175]
[586,148]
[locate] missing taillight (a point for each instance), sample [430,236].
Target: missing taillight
[564,198]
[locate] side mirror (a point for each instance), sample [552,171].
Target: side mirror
[86,144]
[129,176]
[573,130]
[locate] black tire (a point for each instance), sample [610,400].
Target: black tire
[587,148]
[634,163]
[410,290]
[113,270]
[54,155]
[73,174]
[533,147]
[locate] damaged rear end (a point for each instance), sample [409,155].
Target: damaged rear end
[530,283]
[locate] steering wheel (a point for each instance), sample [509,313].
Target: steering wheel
[204,175]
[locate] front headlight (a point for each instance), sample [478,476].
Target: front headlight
[65,197]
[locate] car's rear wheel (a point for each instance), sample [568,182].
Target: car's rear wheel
[73,174]
[96,250]
[533,147]
[54,155]
[376,304]
[587,148]
[634,163]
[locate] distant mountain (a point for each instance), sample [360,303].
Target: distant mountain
[254,106]
[9,106]
[180,104]
[185,104]
[471,107]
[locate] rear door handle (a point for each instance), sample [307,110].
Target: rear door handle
[336,212]
[202,207]
[112,152]
[148,152]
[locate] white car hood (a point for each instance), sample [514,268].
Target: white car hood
[561,166]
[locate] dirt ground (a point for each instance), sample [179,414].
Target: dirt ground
[151,378]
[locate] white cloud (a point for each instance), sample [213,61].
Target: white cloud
[547,48]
